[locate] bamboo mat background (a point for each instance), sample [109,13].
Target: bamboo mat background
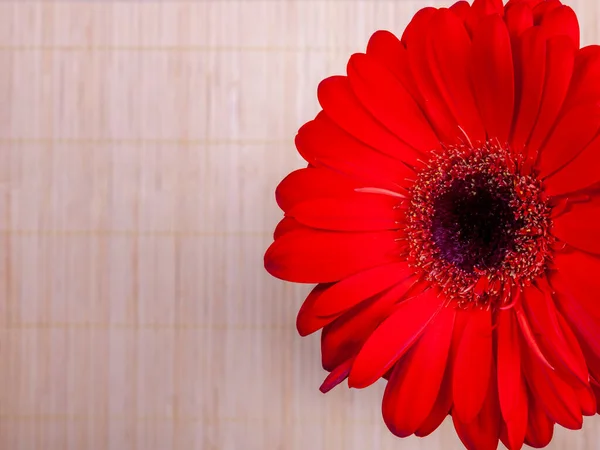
[140,145]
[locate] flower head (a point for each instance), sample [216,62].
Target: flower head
[449,216]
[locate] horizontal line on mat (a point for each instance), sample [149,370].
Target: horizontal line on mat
[173,48]
[179,418]
[134,233]
[117,141]
[142,326]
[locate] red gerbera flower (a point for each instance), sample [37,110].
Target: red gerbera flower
[450,216]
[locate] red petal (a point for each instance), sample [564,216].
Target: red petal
[570,338]
[545,321]
[310,256]
[540,428]
[587,401]
[393,338]
[543,8]
[580,227]
[341,105]
[572,133]
[387,49]
[516,427]
[576,288]
[560,57]
[509,365]
[336,376]
[306,184]
[530,3]
[483,432]
[429,98]
[562,21]
[353,290]
[444,401]
[417,26]
[532,64]
[344,337]
[415,383]
[462,9]
[472,366]
[322,143]
[586,327]
[390,103]
[306,322]
[576,273]
[285,225]
[584,86]
[359,212]
[529,338]
[575,294]
[556,395]
[580,173]
[441,408]
[596,389]
[518,19]
[492,76]
[449,52]
[483,8]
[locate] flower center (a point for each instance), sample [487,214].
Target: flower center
[473,223]
[477,225]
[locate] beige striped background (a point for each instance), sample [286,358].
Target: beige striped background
[140,144]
